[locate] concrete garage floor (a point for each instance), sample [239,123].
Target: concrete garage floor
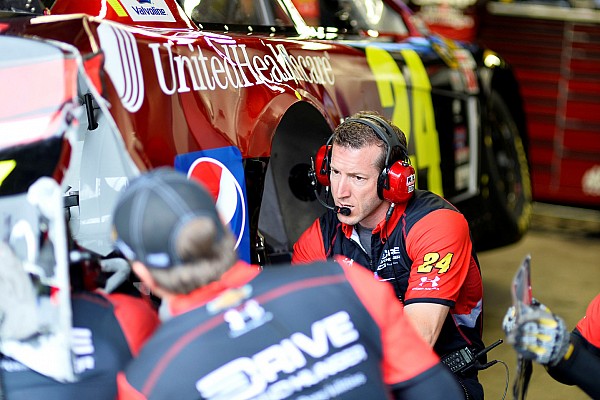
[564,244]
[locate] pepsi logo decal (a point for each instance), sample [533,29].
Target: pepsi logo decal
[222,185]
[221,172]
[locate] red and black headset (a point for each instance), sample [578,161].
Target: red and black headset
[396,182]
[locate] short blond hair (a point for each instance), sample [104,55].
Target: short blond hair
[205,257]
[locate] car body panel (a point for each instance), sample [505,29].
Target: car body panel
[173,92]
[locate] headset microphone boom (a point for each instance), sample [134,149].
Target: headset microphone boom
[313,181]
[340,210]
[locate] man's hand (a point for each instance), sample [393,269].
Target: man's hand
[537,334]
[119,270]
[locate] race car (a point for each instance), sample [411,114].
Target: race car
[476,101]
[240,95]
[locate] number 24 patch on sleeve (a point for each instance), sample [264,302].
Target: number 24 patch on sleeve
[434,260]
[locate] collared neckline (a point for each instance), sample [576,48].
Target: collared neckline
[391,224]
[238,275]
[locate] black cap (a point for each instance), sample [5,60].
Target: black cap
[151,212]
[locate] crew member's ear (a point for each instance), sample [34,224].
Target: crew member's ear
[145,276]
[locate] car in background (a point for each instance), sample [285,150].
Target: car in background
[240,95]
[474,102]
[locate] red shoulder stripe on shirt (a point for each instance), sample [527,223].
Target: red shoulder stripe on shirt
[589,325]
[309,246]
[137,319]
[126,391]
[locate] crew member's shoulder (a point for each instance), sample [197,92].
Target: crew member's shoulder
[313,267]
[425,198]
[423,203]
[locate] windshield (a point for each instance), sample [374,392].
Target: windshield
[238,12]
[361,15]
[22,6]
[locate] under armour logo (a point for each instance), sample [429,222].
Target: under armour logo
[250,316]
[434,281]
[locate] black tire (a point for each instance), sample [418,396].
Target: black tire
[502,212]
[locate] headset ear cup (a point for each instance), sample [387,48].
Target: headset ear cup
[322,169]
[401,179]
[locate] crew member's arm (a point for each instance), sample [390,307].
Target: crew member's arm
[137,318]
[410,367]
[541,336]
[309,246]
[139,321]
[126,391]
[428,319]
[580,366]
[440,247]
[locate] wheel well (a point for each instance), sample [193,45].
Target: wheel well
[289,205]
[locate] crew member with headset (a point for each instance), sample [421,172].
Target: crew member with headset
[234,331]
[413,239]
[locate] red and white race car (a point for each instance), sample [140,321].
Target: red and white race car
[238,94]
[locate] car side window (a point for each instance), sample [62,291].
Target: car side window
[361,15]
[225,11]
[237,12]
